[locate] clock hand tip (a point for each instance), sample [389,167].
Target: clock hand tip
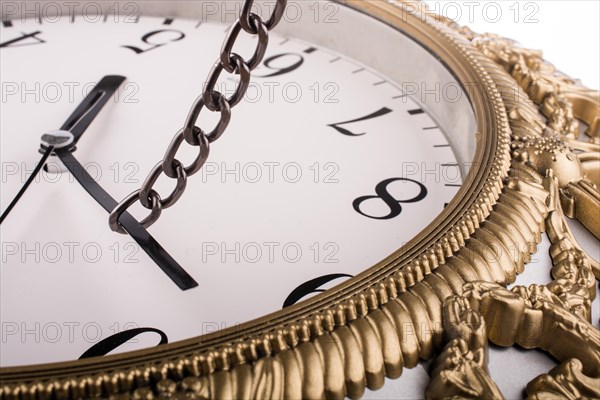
[112,80]
[186,282]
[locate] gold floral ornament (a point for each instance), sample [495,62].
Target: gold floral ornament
[561,173]
[532,317]
[461,369]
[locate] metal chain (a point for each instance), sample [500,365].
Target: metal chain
[213,101]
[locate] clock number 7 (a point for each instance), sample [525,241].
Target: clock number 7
[383,111]
[156,39]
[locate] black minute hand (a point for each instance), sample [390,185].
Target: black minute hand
[76,124]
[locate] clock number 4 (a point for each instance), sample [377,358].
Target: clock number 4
[338,127]
[155,39]
[26,39]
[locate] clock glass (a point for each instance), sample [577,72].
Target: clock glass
[348,143]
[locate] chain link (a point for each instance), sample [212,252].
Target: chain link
[232,37]
[242,69]
[213,101]
[155,211]
[192,133]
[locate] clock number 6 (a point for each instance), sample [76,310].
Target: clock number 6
[156,39]
[312,286]
[388,199]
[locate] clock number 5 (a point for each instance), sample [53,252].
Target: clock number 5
[393,203]
[156,39]
[383,111]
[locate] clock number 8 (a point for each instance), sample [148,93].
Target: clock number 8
[388,199]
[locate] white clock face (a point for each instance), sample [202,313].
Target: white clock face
[326,169]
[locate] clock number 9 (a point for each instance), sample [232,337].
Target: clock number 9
[112,342]
[293,62]
[312,286]
[156,39]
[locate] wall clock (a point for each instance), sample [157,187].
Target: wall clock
[402,165]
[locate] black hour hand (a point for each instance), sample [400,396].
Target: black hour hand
[74,126]
[90,107]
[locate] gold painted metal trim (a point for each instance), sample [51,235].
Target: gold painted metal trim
[443,291]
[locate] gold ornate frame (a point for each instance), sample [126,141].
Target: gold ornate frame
[443,291]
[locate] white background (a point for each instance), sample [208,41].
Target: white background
[568,32]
